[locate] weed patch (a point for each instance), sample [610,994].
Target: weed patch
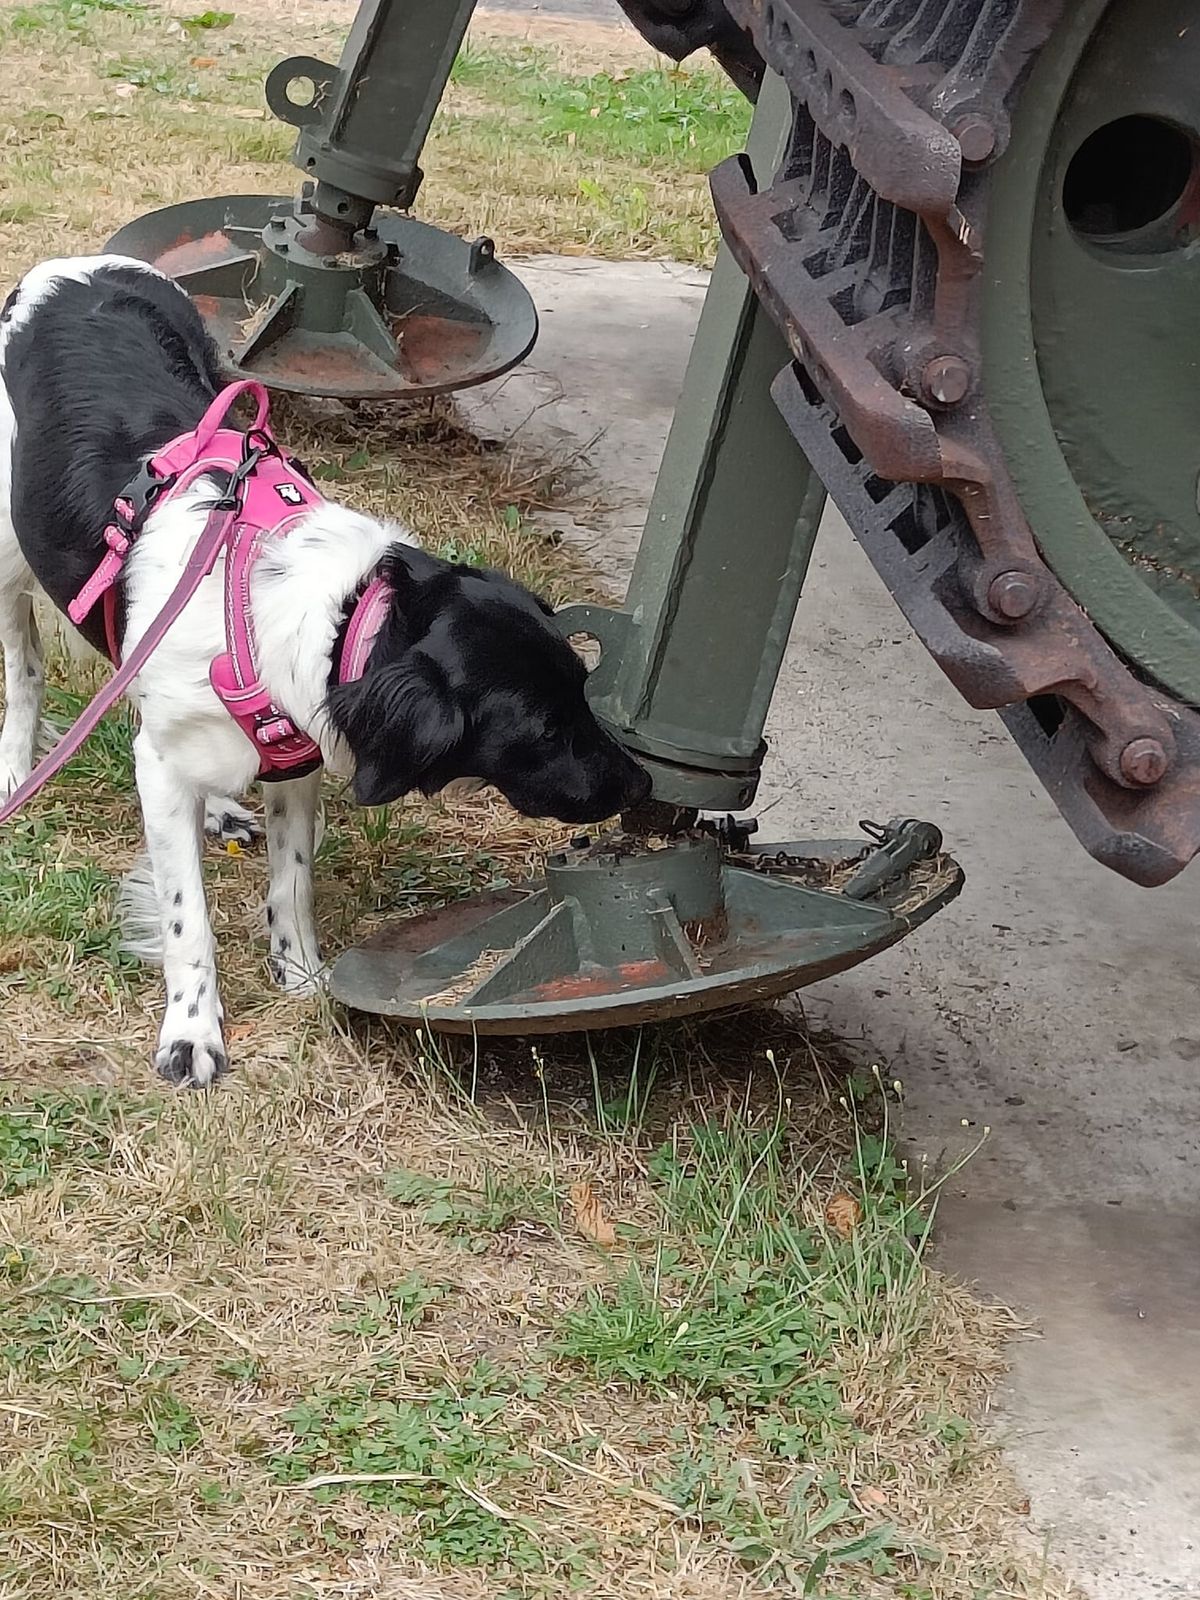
[502,1201]
[40,1133]
[444,1463]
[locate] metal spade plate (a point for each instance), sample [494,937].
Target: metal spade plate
[455,320]
[513,962]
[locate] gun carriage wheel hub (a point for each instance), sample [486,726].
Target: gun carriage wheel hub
[981,247]
[1092,324]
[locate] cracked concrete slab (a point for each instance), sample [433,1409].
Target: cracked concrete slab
[1053,1002]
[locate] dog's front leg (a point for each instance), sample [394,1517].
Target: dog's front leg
[291,845]
[24,686]
[190,1048]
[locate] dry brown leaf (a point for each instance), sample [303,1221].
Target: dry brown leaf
[843,1214]
[871,1496]
[589,1216]
[204,61]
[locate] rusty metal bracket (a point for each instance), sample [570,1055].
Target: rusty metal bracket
[867,251]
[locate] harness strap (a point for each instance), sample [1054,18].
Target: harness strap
[117,536]
[183,458]
[197,567]
[282,747]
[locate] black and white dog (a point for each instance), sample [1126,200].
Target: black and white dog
[103,360]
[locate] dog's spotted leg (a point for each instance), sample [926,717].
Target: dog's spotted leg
[291,845]
[24,687]
[226,820]
[190,1049]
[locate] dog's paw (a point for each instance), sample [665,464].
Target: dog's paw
[295,977]
[191,1063]
[12,776]
[226,820]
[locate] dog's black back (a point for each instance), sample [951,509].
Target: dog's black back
[100,372]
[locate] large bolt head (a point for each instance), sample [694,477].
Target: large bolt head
[976,138]
[1143,762]
[1013,595]
[946,379]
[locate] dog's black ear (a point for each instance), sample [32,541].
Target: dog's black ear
[399,721]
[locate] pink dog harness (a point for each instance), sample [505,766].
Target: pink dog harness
[267,495]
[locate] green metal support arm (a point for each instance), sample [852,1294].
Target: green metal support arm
[627,927]
[363,149]
[326,295]
[689,663]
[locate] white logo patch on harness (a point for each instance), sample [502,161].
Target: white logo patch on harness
[289,494]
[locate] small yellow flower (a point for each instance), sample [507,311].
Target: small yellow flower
[233,847]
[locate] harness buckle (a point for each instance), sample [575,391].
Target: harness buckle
[139,497]
[231,500]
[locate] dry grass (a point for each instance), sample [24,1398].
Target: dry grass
[334,1331]
[191,1273]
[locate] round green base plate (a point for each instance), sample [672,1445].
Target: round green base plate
[619,949]
[446,314]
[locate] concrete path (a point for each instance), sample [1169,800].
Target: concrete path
[1054,1003]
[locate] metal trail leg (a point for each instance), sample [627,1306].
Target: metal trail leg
[324,295]
[630,928]
[689,662]
[363,128]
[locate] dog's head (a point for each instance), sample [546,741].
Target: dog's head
[470,678]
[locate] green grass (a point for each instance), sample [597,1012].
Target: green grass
[445,1463]
[57,909]
[53,1323]
[174,83]
[749,1298]
[107,757]
[538,155]
[402,1305]
[75,17]
[42,1132]
[815,1532]
[501,1201]
[745,1299]
[690,119]
[258,1317]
